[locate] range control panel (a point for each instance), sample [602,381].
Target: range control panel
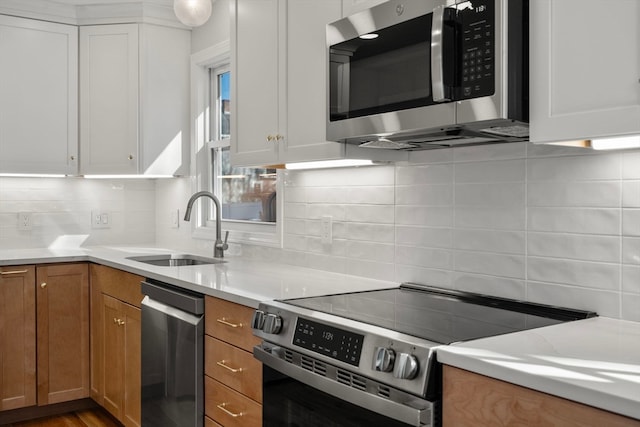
[332,342]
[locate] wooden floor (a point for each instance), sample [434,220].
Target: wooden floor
[85,418]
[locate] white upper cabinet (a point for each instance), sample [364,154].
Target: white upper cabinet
[349,7]
[585,69]
[38,97]
[134,99]
[279,81]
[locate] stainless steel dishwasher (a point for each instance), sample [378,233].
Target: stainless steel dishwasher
[172,356]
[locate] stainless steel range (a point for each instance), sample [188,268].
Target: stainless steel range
[368,358]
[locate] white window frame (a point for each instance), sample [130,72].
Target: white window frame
[263,234]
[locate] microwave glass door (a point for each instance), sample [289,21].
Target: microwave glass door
[382,71]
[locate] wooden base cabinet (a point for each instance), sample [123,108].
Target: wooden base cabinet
[17,337]
[233,377]
[62,295]
[472,400]
[116,343]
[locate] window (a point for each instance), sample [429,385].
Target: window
[246,194]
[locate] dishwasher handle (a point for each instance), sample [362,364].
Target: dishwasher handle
[179,298]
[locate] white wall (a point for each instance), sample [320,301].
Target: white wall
[61,211]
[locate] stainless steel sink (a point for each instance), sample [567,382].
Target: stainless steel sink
[175,260]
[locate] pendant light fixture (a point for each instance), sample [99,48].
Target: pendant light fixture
[192,13]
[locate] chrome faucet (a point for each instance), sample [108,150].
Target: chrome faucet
[219,246]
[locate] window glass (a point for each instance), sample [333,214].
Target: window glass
[246,194]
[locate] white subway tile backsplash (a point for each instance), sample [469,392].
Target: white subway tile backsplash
[605,303]
[493,195]
[508,242]
[631,278]
[375,195]
[424,257]
[382,233]
[491,171]
[631,165]
[631,250]
[631,307]
[579,168]
[574,194]
[501,265]
[424,174]
[425,195]
[380,214]
[631,222]
[604,276]
[425,216]
[490,285]
[424,236]
[631,194]
[548,224]
[575,220]
[584,247]
[498,218]
[372,251]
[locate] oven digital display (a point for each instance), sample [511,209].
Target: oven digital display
[332,342]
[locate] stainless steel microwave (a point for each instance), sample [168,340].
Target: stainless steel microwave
[420,74]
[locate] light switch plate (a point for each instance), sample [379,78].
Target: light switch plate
[100,219]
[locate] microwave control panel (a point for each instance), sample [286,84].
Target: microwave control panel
[477,23]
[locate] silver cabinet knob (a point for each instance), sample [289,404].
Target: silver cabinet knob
[406,367]
[383,359]
[272,324]
[257,321]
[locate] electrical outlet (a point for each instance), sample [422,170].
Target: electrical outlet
[100,219]
[24,221]
[174,218]
[326,234]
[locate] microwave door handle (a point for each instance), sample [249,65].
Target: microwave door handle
[437,55]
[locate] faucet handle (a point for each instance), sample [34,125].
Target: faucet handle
[225,246]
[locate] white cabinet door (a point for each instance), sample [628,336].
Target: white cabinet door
[256,79]
[279,81]
[109,99]
[585,69]
[306,93]
[349,7]
[38,97]
[134,105]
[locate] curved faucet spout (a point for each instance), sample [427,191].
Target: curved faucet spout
[220,246]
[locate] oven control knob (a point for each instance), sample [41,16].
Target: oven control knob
[257,321]
[406,367]
[383,359]
[272,324]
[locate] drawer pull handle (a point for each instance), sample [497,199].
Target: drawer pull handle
[223,408]
[232,325]
[6,273]
[43,285]
[228,368]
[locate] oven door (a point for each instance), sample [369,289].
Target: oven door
[294,396]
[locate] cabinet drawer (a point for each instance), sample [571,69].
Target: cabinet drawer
[208,422]
[117,283]
[230,408]
[233,367]
[230,322]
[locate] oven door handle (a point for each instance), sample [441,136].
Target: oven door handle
[422,415]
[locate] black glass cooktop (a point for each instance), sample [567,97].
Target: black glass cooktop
[439,315]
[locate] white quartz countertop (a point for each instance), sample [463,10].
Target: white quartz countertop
[238,280]
[593,361]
